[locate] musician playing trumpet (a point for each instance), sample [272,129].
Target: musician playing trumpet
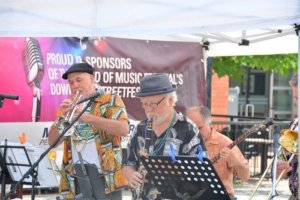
[290,169]
[95,139]
[232,162]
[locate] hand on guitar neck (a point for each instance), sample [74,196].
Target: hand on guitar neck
[226,154]
[230,157]
[254,129]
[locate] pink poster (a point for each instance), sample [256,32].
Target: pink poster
[31,68]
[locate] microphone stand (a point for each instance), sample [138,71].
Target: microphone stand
[1,101]
[31,170]
[7,96]
[275,152]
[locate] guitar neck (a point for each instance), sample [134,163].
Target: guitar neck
[239,139]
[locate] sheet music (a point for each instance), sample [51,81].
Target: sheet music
[13,158]
[46,176]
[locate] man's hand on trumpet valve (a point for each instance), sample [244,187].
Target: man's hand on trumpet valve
[78,110]
[283,165]
[66,106]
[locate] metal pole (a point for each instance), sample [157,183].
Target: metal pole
[271,96]
[298,32]
[247,95]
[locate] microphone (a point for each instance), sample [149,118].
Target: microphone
[9,96]
[34,71]
[98,93]
[33,62]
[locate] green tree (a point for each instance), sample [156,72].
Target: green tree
[234,66]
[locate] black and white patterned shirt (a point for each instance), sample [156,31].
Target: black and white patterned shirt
[182,134]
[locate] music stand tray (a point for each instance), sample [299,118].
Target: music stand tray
[15,164]
[185,178]
[19,158]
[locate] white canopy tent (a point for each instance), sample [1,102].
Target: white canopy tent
[263,27]
[222,23]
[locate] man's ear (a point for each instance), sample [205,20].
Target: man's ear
[92,78]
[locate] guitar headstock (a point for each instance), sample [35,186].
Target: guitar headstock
[268,122]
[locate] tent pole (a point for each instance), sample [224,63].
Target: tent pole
[207,61]
[298,33]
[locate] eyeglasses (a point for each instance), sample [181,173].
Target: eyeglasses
[152,105]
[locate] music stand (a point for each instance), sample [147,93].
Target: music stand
[35,164]
[90,182]
[11,169]
[185,178]
[19,159]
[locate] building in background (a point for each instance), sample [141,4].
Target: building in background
[264,95]
[258,94]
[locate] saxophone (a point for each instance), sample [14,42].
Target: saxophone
[137,193]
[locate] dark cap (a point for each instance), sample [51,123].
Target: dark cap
[79,67]
[155,84]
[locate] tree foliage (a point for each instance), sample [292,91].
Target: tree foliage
[234,66]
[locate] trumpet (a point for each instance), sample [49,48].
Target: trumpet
[288,142]
[62,122]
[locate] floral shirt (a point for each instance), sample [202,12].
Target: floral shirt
[108,147]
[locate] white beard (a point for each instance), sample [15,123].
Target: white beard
[159,119]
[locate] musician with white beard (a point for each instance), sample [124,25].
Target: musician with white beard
[163,128]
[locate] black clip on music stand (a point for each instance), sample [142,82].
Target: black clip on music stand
[34,165]
[7,161]
[185,177]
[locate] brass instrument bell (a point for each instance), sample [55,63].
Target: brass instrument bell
[289,140]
